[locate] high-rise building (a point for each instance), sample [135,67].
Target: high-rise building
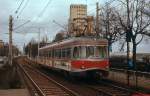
[77,20]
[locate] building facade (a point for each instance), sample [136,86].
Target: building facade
[77,20]
[1,43]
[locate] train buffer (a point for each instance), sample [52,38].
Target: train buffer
[14,92]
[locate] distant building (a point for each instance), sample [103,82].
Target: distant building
[1,43]
[4,49]
[77,20]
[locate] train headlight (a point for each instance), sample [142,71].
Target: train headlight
[82,67]
[107,67]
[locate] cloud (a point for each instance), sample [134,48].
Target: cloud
[57,10]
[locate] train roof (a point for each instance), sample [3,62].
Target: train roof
[76,42]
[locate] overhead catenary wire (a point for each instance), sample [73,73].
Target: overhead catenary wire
[19,7]
[26,3]
[44,9]
[42,12]
[19,12]
[22,24]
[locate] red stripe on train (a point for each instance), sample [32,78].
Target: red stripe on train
[89,64]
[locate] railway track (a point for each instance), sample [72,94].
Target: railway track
[110,89]
[43,85]
[79,87]
[106,89]
[97,89]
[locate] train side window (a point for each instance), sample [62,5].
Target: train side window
[40,54]
[68,52]
[63,53]
[56,53]
[47,54]
[59,53]
[101,52]
[104,52]
[83,52]
[53,53]
[43,53]
[50,53]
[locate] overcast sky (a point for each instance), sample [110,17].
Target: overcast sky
[40,16]
[41,13]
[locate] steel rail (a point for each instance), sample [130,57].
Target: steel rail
[32,81]
[70,92]
[60,85]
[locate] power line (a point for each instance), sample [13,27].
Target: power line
[22,24]
[44,9]
[42,12]
[26,3]
[19,7]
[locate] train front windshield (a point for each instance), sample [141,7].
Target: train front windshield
[90,52]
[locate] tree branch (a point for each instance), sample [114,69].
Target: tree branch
[140,40]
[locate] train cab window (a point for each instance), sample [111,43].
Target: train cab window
[63,53]
[57,53]
[101,52]
[83,52]
[76,52]
[90,51]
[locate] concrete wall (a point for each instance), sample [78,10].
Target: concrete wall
[122,77]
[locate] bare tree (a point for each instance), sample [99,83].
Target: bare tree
[134,22]
[60,36]
[109,24]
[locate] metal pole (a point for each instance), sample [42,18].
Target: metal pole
[97,18]
[128,52]
[38,43]
[10,39]
[30,50]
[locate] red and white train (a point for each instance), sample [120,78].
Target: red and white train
[77,56]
